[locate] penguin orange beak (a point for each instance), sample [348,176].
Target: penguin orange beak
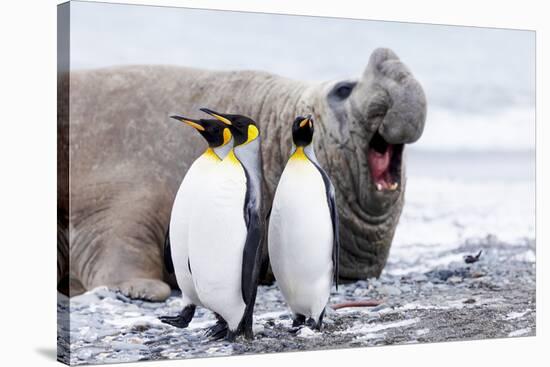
[217,115]
[194,123]
[306,121]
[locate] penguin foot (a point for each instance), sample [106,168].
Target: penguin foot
[317,325]
[231,336]
[312,324]
[248,333]
[175,321]
[294,330]
[182,320]
[218,331]
[298,320]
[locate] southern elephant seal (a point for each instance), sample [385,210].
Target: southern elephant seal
[127,159]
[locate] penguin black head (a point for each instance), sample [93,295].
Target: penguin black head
[213,131]
[243,128]
[302,131]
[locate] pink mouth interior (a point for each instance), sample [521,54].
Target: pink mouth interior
[379,164]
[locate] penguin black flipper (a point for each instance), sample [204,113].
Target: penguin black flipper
[251,255]
[168,254]
[331,199]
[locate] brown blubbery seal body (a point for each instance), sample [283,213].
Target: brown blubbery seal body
[127,159]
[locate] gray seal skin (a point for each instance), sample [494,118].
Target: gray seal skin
[127,158]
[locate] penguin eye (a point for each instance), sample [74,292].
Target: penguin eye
[343,90]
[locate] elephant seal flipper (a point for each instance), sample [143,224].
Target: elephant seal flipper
[141,288]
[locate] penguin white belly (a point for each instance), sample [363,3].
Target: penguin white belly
[184,203]
[217,237]
[300,238]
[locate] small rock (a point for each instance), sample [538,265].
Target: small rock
[374,283]
[104,292]
[90,337]
[389,290]
[306,332]
[477,274]
[86,353]
[85,299]
[192,338]
[373,318]
[421,332]
[441,274]
[419,278]
[406,288]
[470,259]
[151,305]
[359,292]
[428,286]
[469,301]
[454,280]
[127,346]
[379,308]
[83,354]
[258,329]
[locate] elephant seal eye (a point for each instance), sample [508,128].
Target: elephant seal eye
[342,90]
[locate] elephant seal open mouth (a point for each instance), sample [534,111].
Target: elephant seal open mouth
[127,159]
[384,162]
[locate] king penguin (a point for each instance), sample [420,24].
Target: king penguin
[303,231]
[226,231]
[176,247]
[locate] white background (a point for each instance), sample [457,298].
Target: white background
[28,187]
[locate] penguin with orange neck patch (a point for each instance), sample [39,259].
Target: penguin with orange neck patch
[176,247]
[226,231]
[303,231]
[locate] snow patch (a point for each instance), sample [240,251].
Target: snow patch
[516,315]
[520,332]
[369,328]
[306,332]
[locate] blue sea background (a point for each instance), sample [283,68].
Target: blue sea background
[472,173]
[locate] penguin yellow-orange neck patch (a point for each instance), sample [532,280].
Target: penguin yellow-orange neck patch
[232,158]
[209,153]
[299,154]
